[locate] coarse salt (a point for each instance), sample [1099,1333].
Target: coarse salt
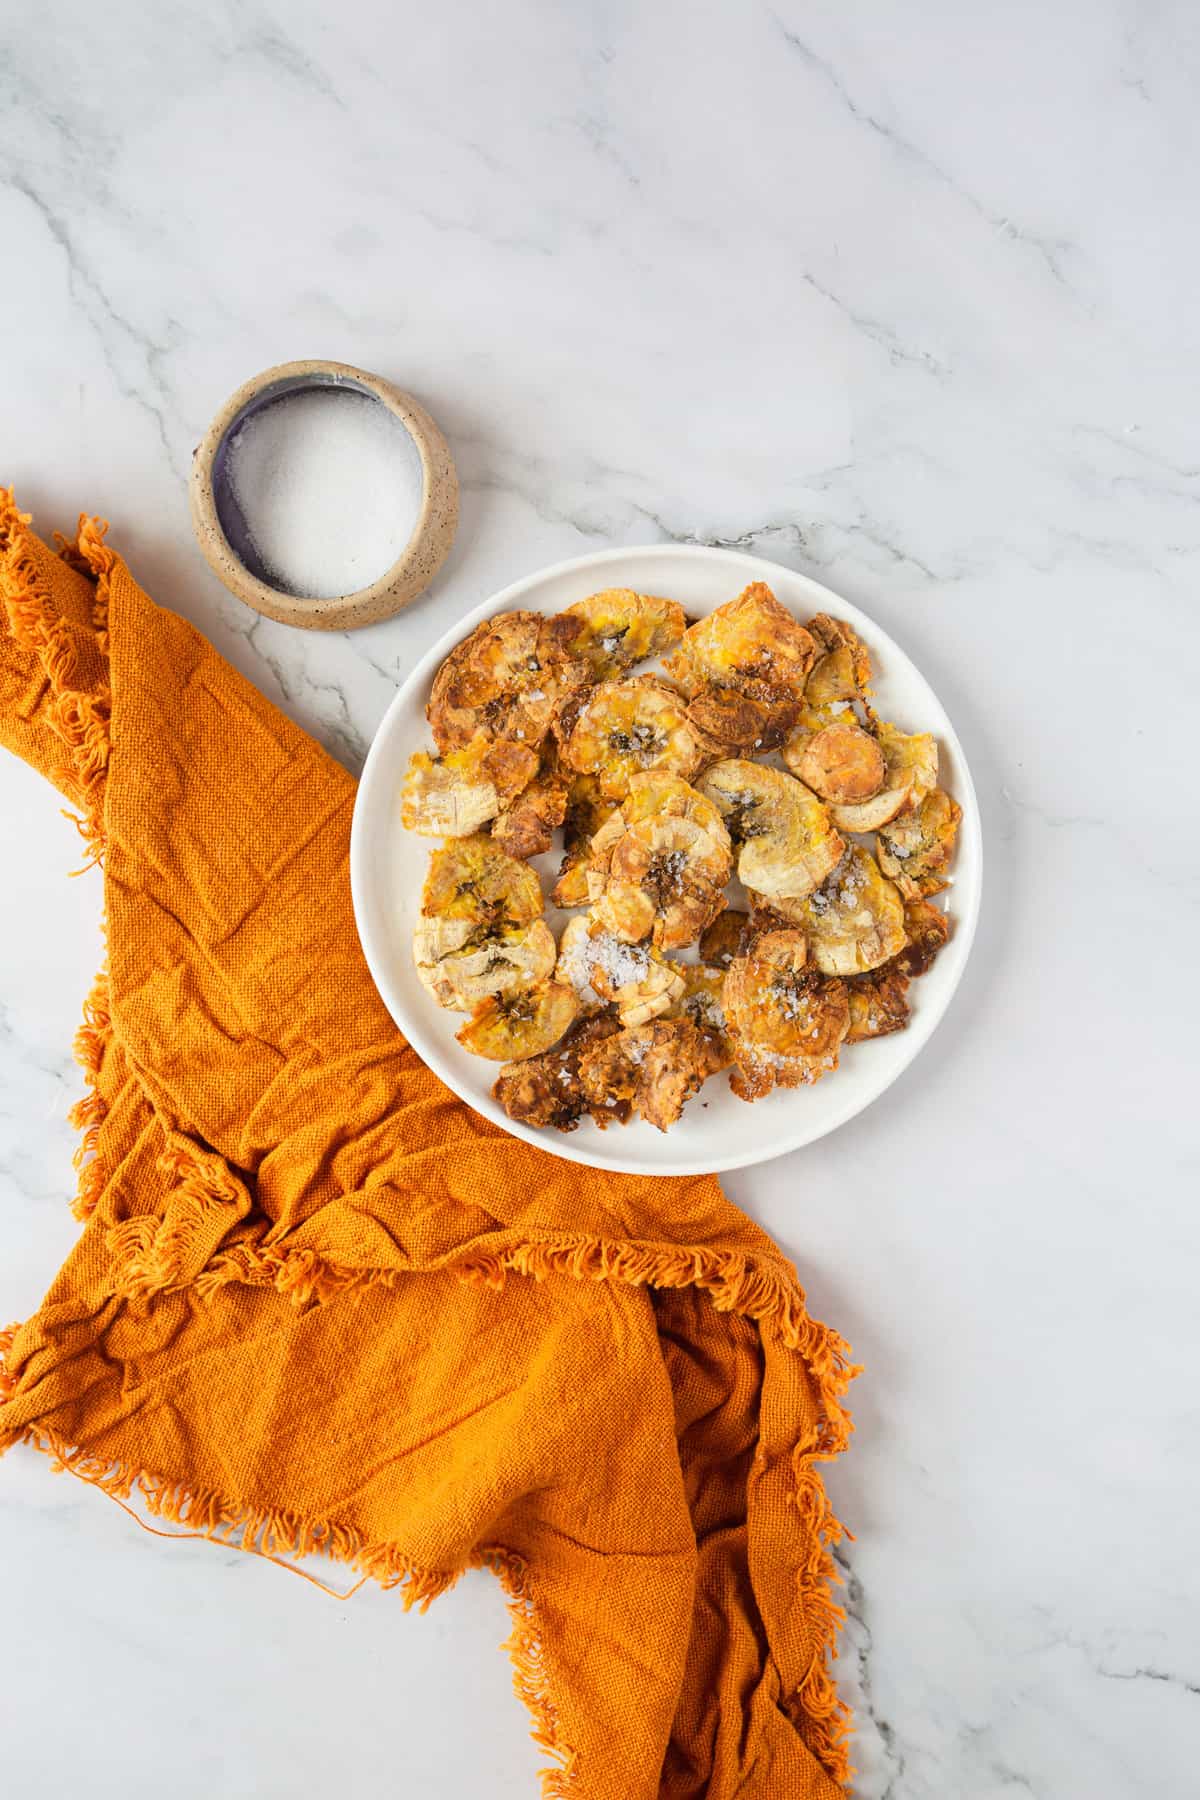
[623,964]
[575,967]
[329,485]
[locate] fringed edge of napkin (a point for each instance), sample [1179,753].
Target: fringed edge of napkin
[80,718]
[820,1716]
[82,721]
[733,1283]
[276,1536]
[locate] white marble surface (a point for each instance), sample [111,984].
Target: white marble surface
[900,296]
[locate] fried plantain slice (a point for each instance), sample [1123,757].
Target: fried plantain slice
[785,1021]
[657,794]
[911,771]
[841,763]
[788,842]
[619,627]
[673,1069]
[578,953]
[505,681]
[527,826]
[510,766]
[753,645]
[461,970]
[727,937]
[472,878]
[586,812]
[928,928]
[732,724]
[547,1089]
[653,1068]
[599,969]
[855,920]
[915,849]
[624,727]
[703,1002]
[449,796]
[511,1027]
[663,878]
[842,670]
[878,1003]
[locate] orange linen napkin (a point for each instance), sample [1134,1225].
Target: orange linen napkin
[319,1305]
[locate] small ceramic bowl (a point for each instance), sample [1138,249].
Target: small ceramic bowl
[224,537]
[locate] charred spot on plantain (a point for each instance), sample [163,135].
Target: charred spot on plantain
[664,878]
[518,1008]
[643,740]
[740,820]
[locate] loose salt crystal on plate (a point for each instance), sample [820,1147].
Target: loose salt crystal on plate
[330,487]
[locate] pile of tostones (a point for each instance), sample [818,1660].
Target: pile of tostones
[754,757]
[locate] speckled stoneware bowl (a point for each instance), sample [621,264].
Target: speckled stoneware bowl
[221,529]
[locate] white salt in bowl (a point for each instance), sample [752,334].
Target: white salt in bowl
[226,530]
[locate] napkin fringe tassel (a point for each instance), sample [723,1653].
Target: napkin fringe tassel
[88,1115]
[79,717]
[81,720]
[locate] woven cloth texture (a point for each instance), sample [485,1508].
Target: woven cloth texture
[317,1305]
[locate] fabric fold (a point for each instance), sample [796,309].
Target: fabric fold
[318,1305]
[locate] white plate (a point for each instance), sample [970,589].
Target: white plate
[717,1131]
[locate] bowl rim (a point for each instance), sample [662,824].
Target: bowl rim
[967,892]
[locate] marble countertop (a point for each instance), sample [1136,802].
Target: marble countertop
[904,298]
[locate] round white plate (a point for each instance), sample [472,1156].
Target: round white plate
[717,1131]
